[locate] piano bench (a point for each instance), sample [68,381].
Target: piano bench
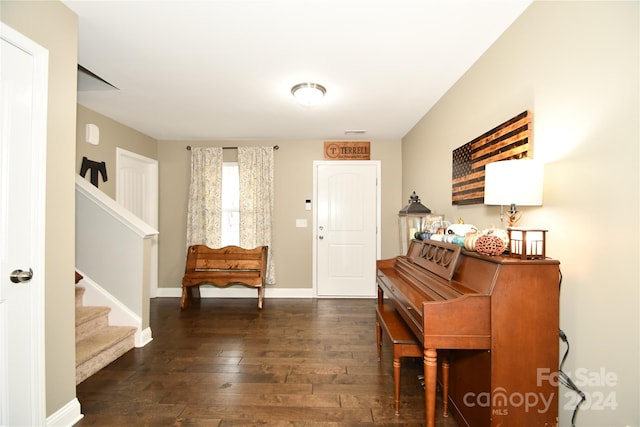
[403,342]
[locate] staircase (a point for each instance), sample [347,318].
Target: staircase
[97,343]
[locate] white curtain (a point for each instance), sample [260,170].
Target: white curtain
[205,200]
[255,168]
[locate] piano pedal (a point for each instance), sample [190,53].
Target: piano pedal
[421,381]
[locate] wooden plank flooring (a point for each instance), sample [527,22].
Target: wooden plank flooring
[297,362]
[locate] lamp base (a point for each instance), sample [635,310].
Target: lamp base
[527,243]
[513,218]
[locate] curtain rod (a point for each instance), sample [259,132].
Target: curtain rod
[275,147]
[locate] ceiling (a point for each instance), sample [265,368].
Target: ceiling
[223,69]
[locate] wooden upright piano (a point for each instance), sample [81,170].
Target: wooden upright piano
[497,317]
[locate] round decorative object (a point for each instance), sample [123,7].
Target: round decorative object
[470,241]
[498,232]
[490,244]
[458,240]
[503,235]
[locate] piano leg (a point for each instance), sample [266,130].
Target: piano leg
[445,384]
[430,376]
[396,382]
[379,338]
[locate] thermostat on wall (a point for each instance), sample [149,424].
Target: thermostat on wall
[92,134]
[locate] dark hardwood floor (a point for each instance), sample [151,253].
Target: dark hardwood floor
[297,362]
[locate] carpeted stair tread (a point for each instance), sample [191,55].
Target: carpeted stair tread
[87,314]
[90,320]
[97,343]
[102,340]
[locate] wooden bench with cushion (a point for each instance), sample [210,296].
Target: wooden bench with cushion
[223,267]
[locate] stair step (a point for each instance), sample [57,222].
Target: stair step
[97,343]
[89,320]
[79,295]
[100,349]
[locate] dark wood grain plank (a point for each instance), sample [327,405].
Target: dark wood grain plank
[223,363]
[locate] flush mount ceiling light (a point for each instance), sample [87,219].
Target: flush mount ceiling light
[308,94]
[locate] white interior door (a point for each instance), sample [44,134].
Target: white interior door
[23,102]
[346,220]
[137,190]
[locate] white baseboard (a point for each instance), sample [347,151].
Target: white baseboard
[143,338]
[66,416]
[240,291]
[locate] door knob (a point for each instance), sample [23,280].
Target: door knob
[320,237]
[20,276]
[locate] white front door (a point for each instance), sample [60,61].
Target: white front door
[137,190]
[23,102]
[346,220]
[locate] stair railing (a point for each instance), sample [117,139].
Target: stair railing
[113,249]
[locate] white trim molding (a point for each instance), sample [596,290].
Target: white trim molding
[239,291]
[66,416]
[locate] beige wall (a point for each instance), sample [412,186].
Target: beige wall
[292,247]
[293,185]
[55,27]
[576,66]
[112,136]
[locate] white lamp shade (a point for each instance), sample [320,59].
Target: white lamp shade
[516,182]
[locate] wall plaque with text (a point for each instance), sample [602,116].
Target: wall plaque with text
[347,150]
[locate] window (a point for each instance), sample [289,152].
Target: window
[230,204]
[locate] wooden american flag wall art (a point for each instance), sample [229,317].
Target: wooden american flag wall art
[510,140]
